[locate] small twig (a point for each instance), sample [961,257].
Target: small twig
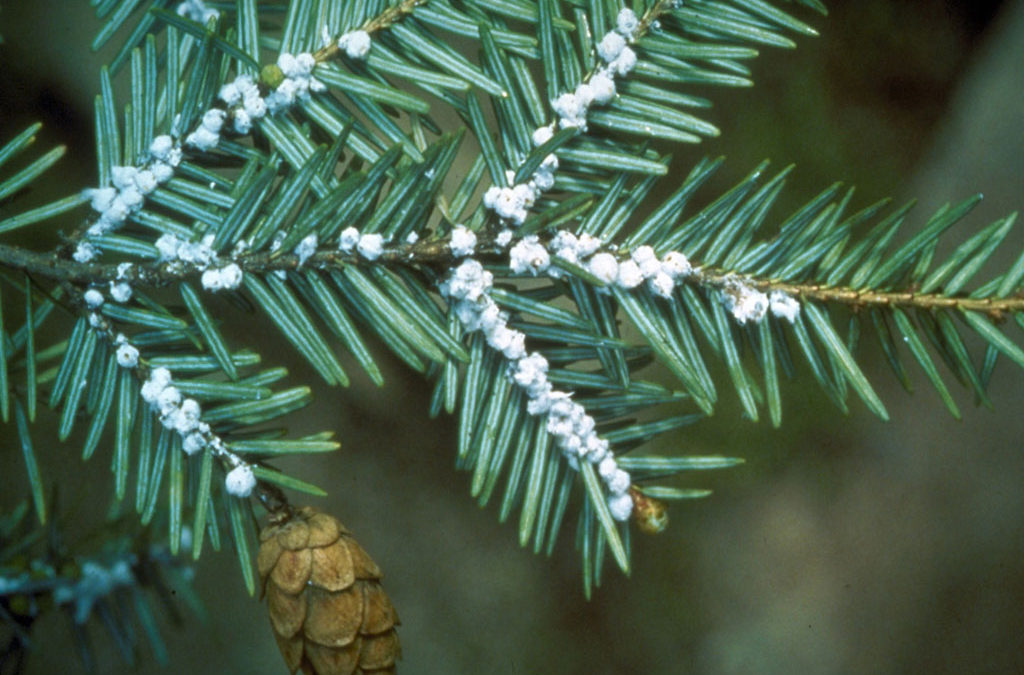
[380,22]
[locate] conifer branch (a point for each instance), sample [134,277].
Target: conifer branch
[436,253]
[380,22]
[293,185]
[995,307]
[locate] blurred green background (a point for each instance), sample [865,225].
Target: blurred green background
[843,545]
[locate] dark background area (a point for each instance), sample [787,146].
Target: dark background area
[844,544]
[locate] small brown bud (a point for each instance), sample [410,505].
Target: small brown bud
[328,611]
[650,514]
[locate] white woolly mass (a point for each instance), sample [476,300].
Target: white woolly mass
[605,267]
[183,416]
[145,181]
[529,255]
[244,102]
[542,135]
[610,46]
[255,106]
[603,88]
[587,245]
[159,378]
[130,185]
[84,252]
[642,254]
[197,11]
[563,244]
[228,277]
[168,401]
[177,413]
[584,94]
[213,120]
[162,172]
[619,481]
[548,165]
[661,284]
[607,467]
[190,413]
[542,181]
[102,198]
[356,44]
[624,63]
[530,372]
[467,288]
[469,281]
[745,303]
[348,240]
[524,195]
[298,81]
[242,120]
[627,22]
[193,443]
[510,204]
[511,343]
[203,139]
[199,255]
[571,109]
[586,250]
[161,147]
[463,242]
[306,248]
[676,265]
[630,275]
[123,177]
[283,96]
[646,260]
[120,291]
[167,246]
[504,238]
[231,276]
[127,356]
[93,298]
[370,246]
[783,306]
[620,506]
[240,481]
[230,93]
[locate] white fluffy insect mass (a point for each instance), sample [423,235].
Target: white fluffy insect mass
[512,202]
[184,416]
[574,431]
[241,105]
[355,44]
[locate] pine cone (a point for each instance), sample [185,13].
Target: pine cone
[328,611]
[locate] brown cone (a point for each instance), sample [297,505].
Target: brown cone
[327,609]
